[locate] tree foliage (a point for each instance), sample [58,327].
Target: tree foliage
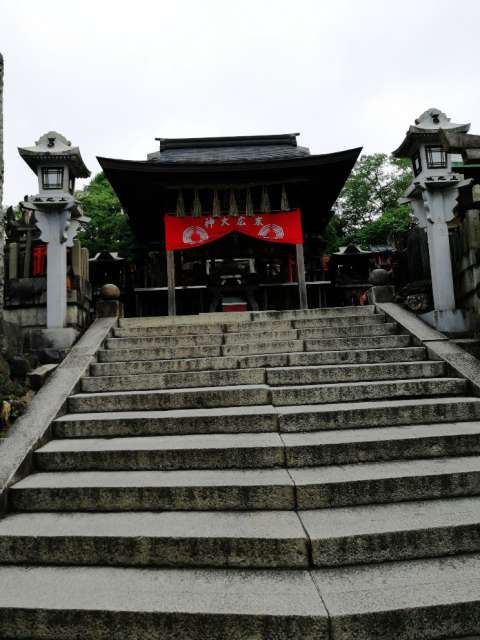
[108,229]
[368,210]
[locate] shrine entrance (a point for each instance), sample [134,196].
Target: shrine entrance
[202,188]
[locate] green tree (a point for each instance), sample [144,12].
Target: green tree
[108,229]
[368,210]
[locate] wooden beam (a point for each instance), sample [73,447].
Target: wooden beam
[172,311]
[302,285]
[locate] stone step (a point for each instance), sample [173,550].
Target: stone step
[384,482]
[207,340]
[361,391]
[417,599]
[370,356]
[261,539]
[252,337]
[308,314]
[254,348]
[366,342]
[247,419]
[401,531]
[349,446]
[242,395]
[256,316]
[219,377]
[254,418]
[338,321]
[157,353]
[106,603]
[163,453]
[237,327]
[259,450]
[352,373]
[355,330]
[261,328]
[378,414]
[199,490]
[273,376]
[194,398]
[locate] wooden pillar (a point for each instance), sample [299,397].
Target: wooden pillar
[172,311]
[302,285]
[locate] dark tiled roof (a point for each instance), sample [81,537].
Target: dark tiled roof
[229,154]
[228,149]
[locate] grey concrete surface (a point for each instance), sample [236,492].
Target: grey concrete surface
[175,604]
[349,446]
[182,380]
[365,342]
[361,391]
[433,598]
[247,419]
[382,482]
[353,373]
[378,413]
[154,490]
[274,539]
[402,531]
[218,451]
[192,398]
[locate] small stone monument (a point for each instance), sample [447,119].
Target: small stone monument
[433,196]
[58,216]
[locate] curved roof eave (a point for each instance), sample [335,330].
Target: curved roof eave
[144,166]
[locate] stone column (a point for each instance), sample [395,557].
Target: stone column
[58,231]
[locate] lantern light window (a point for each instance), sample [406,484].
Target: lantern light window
[52,178]
[436,157]
[416,163]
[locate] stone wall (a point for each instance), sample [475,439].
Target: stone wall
[465,251]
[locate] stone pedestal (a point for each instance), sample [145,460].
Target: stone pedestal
[381,293]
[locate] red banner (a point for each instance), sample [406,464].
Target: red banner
[188,232]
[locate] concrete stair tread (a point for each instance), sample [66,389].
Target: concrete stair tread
[141,392]
[171,524]
[433,597]
[373,434]
[279,360]
[165,443]
[252,336]
[223,318]
[373,404]
[260,440]
[242,327]
[344,522]
[152,381]
[171,413]
[353,391]
[368,471]
[193,592]
[227,388]
[273,375]
[205,478]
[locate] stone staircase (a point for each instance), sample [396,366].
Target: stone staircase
[270,476]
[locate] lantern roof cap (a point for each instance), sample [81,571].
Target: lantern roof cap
[427,129]
[54,147]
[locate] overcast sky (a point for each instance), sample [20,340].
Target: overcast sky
[112,75]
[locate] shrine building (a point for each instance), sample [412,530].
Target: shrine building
[230,223]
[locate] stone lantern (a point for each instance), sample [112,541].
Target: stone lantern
[57,215]
[433,196]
